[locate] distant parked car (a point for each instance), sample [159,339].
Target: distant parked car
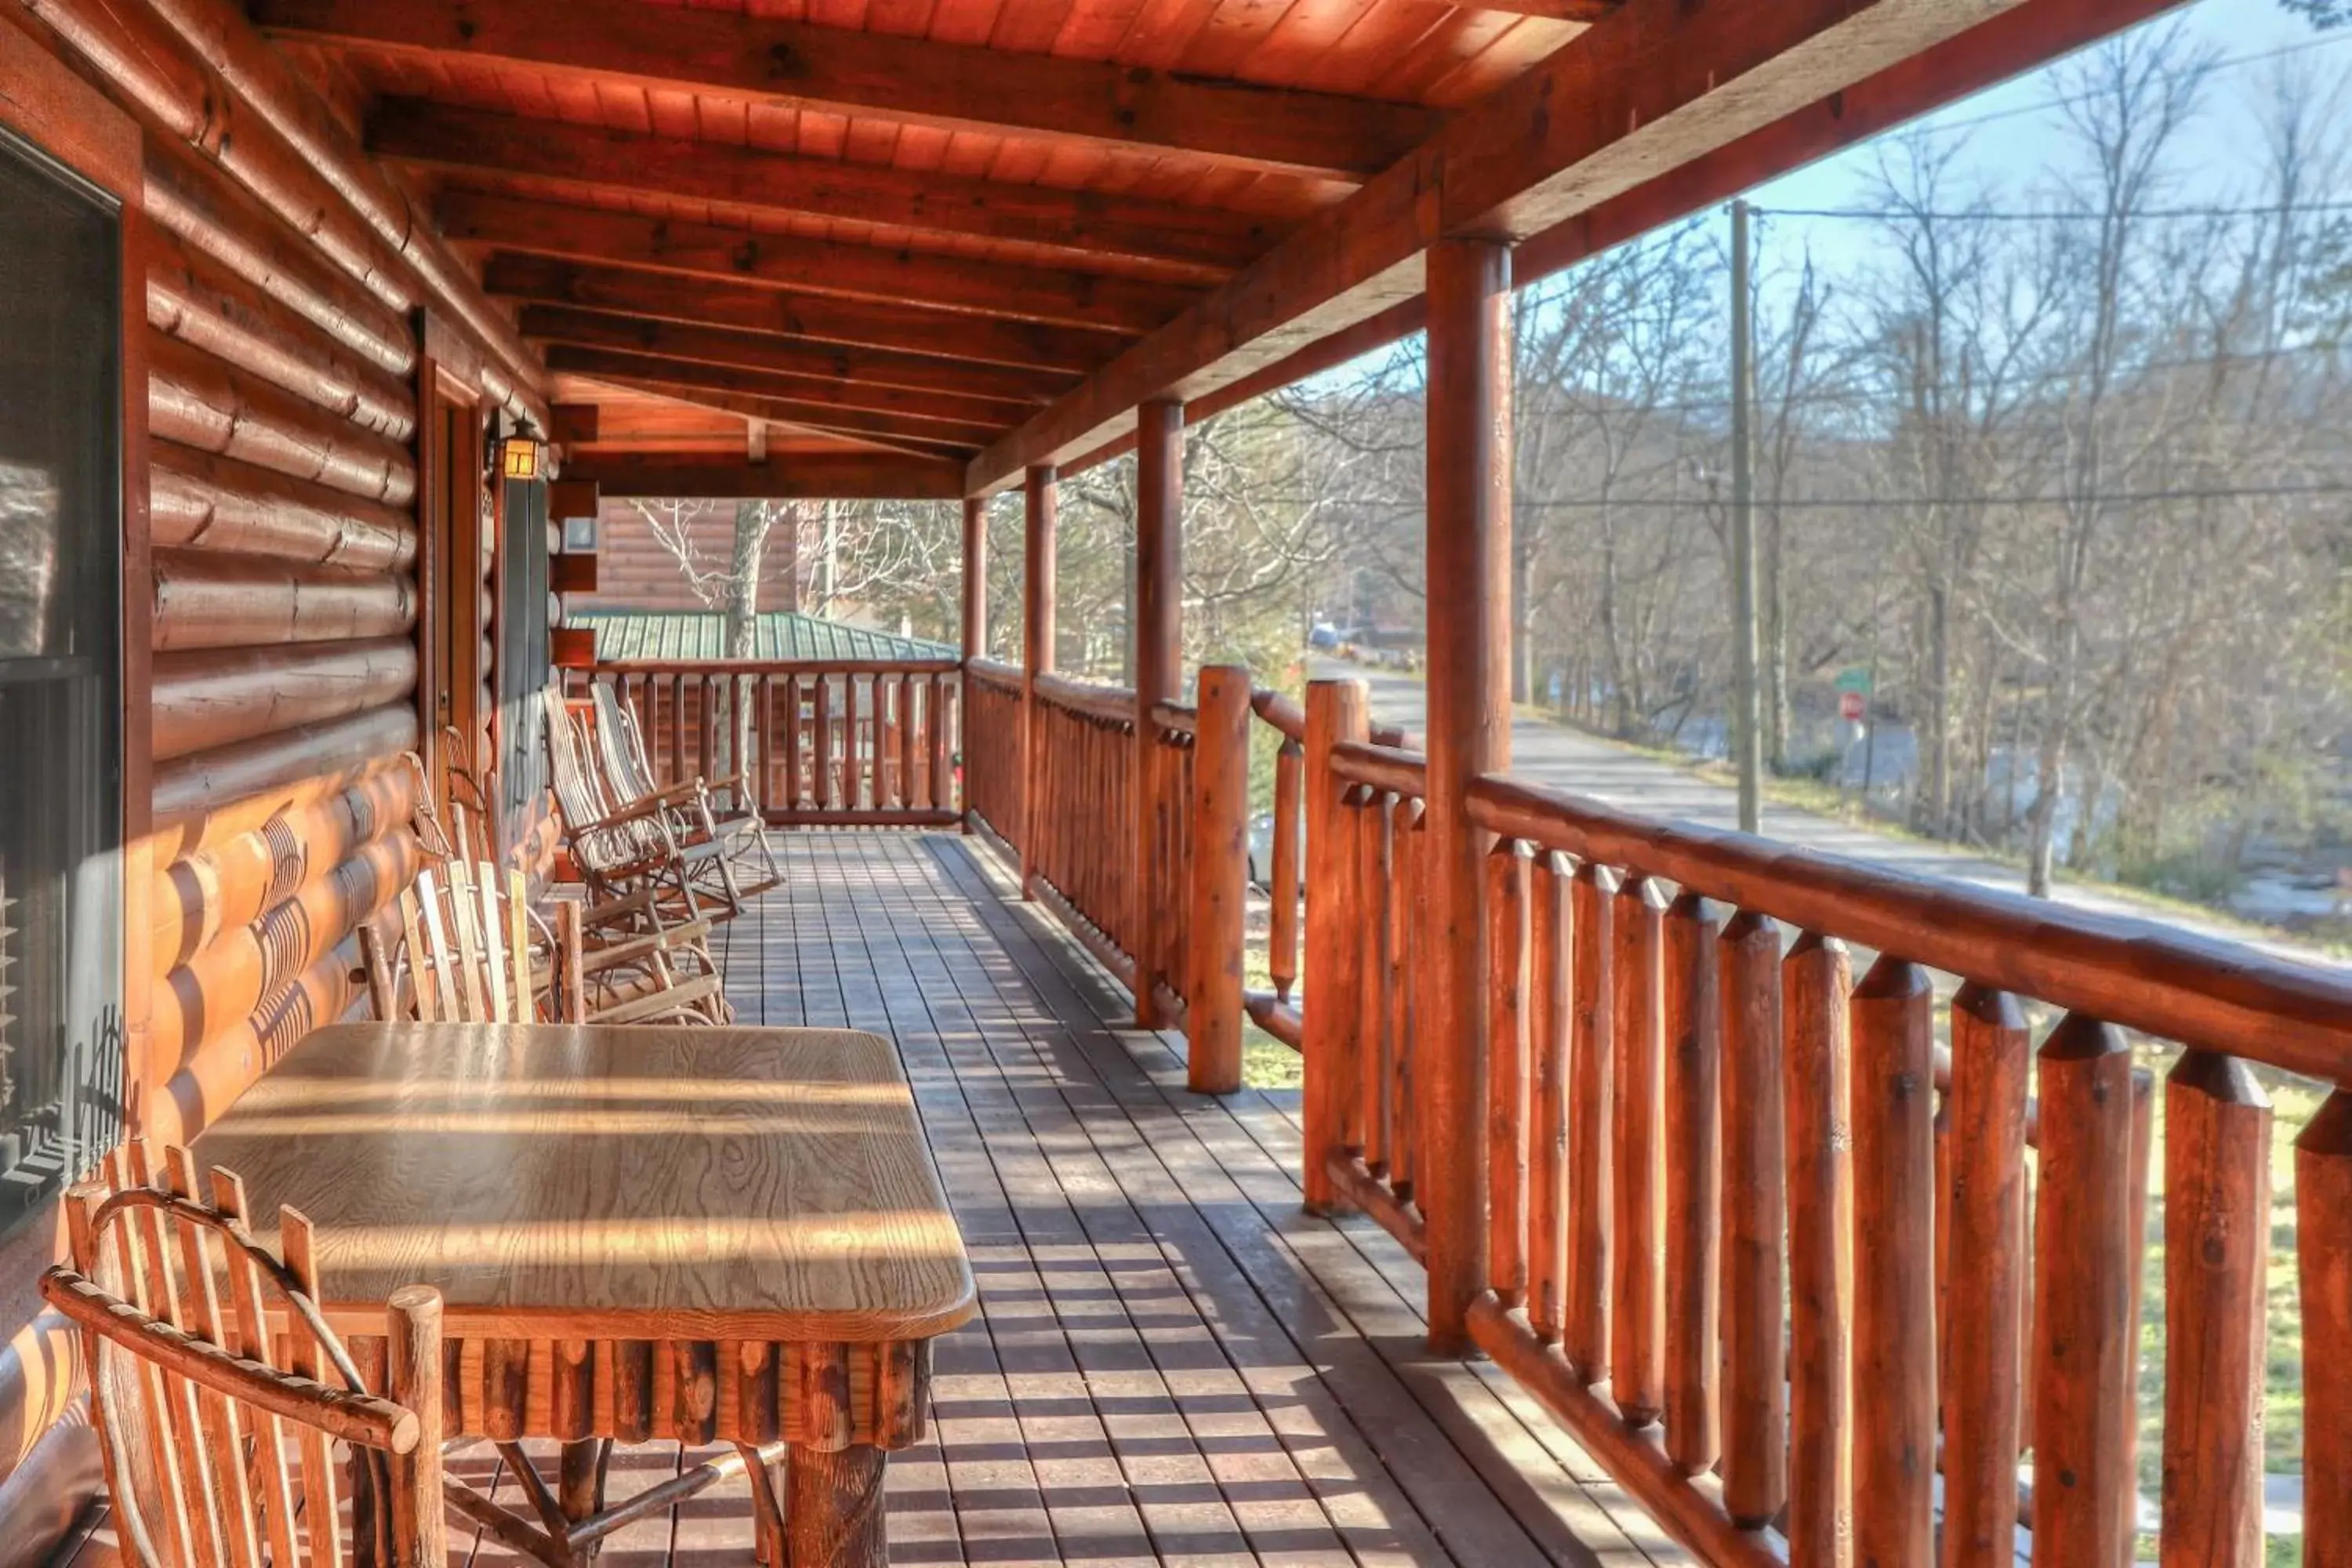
[1261,848]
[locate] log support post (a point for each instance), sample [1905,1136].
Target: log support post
[1159,632]
[1336,910]
[1212,1013]
[1468,553]
[975,615]
[1037,657]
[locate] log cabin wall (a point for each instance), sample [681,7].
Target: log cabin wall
[290,299]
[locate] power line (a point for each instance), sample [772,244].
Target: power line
[1852,503]
[1883,215]
[2060,101]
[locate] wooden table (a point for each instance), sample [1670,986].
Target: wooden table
[713,1235]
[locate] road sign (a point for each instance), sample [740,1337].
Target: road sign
[1850,705]
[1854,680]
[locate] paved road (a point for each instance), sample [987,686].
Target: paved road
[1572,760]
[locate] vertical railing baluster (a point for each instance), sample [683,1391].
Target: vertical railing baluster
[2323,1245]
[1755,1354]
[676,729]
[1984,1320]
[1593,1076]
[1637,1300]
[1282,939]
[820,790]
[1816,1065]
[1506,1072]
[1550,934]
[1894,1266]
[2217,1219]
[1376,877]
[1692,1139]
[2083,1264]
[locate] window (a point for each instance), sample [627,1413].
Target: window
[61,699]
[579,533]
[522,667]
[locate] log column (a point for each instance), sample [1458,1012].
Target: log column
[1468,553]
[1159,655]
[975,577]
[1220,804]
[975,646]
[1037,656]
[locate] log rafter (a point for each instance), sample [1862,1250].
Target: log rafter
[1207,242]
[946,282]
[988,392]
[810,476]
[1056,354]
[912,80]
[741,393]
[956,419]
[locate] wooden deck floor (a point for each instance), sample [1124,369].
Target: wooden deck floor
[1173,1363]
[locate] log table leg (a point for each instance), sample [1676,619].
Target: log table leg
[579,1484]
[833,1508]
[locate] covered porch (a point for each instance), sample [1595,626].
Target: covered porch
[1172,1362]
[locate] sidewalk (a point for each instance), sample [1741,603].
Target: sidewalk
[1571,759]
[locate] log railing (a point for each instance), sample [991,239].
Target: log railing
[1729,1180]
[1083,823]
[1276,1010]
[824,743]
[992,786]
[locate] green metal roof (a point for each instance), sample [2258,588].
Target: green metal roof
[776,636]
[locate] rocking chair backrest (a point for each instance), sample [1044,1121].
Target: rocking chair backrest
[580,793]
[467,937]
[218,1434]
[622,745]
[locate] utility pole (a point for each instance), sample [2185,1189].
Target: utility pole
[1746,712]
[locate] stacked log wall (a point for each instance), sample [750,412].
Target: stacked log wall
[281,345]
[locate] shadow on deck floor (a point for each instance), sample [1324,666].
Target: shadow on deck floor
[1172,1363]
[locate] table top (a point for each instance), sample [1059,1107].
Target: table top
[559,1182]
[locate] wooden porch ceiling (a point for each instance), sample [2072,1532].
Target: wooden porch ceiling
[981,232]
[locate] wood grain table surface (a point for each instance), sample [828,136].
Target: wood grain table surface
[565,1181]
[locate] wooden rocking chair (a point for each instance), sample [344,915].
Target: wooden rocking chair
[219,1394]
[628,847]
[473,951]
[466,837]
[697,812]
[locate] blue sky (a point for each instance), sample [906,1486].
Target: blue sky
[2007,132]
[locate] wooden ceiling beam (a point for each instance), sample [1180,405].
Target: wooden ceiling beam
[1207,243]
[833,406]
[1650,87]
[784,261]
[968,421]
[913,80]
[800,476]
[992,391]
[1054,355]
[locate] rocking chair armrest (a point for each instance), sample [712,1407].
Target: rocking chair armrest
[613,911]
[674,795]
[649,809]
[734,782]
[690,934]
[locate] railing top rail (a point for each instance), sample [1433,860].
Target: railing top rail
[1389,768]
[1177,718]
[992,672]
[2211,996]
[1109,704]
[774,667]
[1281,711]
